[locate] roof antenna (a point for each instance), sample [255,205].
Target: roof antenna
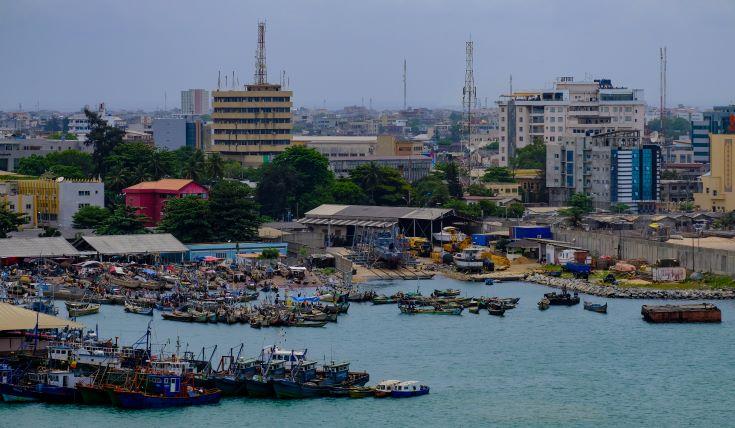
[219,79]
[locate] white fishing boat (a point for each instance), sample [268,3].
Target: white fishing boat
[384,388]
[470,258]
[449,234]
[290,357]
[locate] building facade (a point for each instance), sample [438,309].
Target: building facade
[79,124]
[570,109]
[412,168]
[183,131]
[251,126]
[610,168]
[51,202]
[195,101]
[715,121]
[717,185]
[13,150]
[150,197]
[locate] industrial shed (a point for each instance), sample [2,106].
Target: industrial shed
[338,223]
[156,246]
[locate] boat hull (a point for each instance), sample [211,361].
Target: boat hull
[93,396]
[139,400]
[404,394]
[288,389]
[258,389]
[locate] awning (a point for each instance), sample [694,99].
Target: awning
[16,318]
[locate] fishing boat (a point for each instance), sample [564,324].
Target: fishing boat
[78,309]
[409,388]
[474,309]
[412,309]
[470,258]
[234,382]
[332,381]
[449,234]
[489,281]
[543,304]
[307,323]
[449,292]
[177,316]
[383,300]
[361,391]
[134,309]
[386,250]
[56,386]
[496,310]
[166,390]
[260,385]
[562,299]
[384,388]
[596,307]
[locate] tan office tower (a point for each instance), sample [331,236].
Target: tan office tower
[252,126]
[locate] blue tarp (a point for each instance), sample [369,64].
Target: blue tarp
[305,299]
[149,271]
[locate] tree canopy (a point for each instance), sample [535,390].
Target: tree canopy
[90,217]
[187,218]
[382,185]
[579,205]
[234,212]
[9,221]
[533,156]
[674,127]
[498,174]
[103,138]
[124,220]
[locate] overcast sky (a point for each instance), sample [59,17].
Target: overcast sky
[65,54]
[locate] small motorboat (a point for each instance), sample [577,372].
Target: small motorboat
[305,323]
[384,388]
[562,299]
[177,316]
[81,309]
[489,281]
[543,304]
[473,309]
[383,300]
[410,388]
[449,292]
[596,307]
[361,391]
[498,311]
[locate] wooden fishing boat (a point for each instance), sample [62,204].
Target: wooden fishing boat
[449,292]
[474,309]
[562,299]
[383,300]
[134,309]
[543,304]
[124,282]
[177,316]
[497,311]
[78,309]
[305,323]
[596,307]
[361,391]
[411,309]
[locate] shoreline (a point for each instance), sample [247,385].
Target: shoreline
[612,291]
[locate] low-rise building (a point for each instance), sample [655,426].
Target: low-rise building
[717,185]
[13,150]
[674,192]
[51,202]
[149,197]
[412,168]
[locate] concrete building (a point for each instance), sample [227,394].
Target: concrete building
[411,167]
[570,109]
[674,192]
[149,197]
[359,146]
[13,150]
[717,185]
[611,168]
[183,131]
[51,202]
[715,121]
[251,126]
[195,101]
[79,124]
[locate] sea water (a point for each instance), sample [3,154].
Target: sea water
[560,367]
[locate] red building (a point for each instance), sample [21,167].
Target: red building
[150,196]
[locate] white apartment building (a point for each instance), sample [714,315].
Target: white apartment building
[570,109]
[79,124]
[195,101]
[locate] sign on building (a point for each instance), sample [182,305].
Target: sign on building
[669,274]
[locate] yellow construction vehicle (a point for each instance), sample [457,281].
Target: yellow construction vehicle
[455,246]
[419,247]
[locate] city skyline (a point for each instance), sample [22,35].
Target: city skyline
[339,54]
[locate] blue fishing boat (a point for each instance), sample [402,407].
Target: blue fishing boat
[260,385]
[410,388]
[165,390]
[331,381]
[52,387]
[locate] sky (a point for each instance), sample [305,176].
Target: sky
[141,53]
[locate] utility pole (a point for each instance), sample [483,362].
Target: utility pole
[469,96]
[662,90]
[404,84]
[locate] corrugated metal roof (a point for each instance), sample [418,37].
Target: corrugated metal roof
[370,212]
[163,184]
[136,244]
[325,210]
[36,247]
[333,222]
[17,318]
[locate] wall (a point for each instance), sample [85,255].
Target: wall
[169,133]
[74,194]
[721,262]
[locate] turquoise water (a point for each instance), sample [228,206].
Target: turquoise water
[560,367]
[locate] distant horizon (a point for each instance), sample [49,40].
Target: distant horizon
[145,49]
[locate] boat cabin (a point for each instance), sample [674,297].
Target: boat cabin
[291,357]
[336,373]
[178,368]
[305,372]
[166,384]
[6,373]
[409,386]
[59,352]
[64,379]
[274,369]
[245,367]
[387,385]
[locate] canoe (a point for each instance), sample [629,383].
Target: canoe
[361,391]
[499,312]
[595,307]
[543,304]
[138,310]
[306,323]
[474,309]
[85,309]
[177,316]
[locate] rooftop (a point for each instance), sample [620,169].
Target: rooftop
[16,318]
[135,244]
[369,212]
[36,247]
[172,184]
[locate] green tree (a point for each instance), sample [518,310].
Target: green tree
[124,220]
[478,190]
[195,167]
[579,205]
[90,217]
[103,138]
[493,145]
[297,180]
[9,221]
[451,175]
[430,191]
[49,232]
[346,192]
[128,164]
[72,158]
[233,211]
[33,165]
[533,156]
[620,208]
[669,174]
[498,174]
[187,219]
[62,136]
[382,185]
[674,127]
[161,164]
[215,166]
[471,210]
[687,206]
[269,254]
[70,172]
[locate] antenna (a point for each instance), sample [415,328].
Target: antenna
[219,79]
[662,90]
[261,74]
[404,83]
[511,84]
[165,101]
[469,92]
[233,79]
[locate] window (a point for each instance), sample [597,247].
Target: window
[520,129]
[552,119]
[520,119]
[628,109]
[628,118]
[559,119]
[83,205]
[84,193]
[28,206]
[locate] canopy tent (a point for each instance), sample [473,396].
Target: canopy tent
[16,318]
[305,299]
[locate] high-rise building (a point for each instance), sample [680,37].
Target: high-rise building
[254,125]
[195,101]
[715,121]
[570,109]
[610,168]
[718,193]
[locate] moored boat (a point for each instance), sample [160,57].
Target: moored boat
[134,309]
[543,304]
[596,307]
[409,388]
[384,388]
[78,309]
[562,299]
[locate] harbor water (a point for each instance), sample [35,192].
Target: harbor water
[560,367]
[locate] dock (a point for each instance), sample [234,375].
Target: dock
[701,312]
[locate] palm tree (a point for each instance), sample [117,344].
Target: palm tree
[215,166]
[194,168]
[157,166]
[368,177]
